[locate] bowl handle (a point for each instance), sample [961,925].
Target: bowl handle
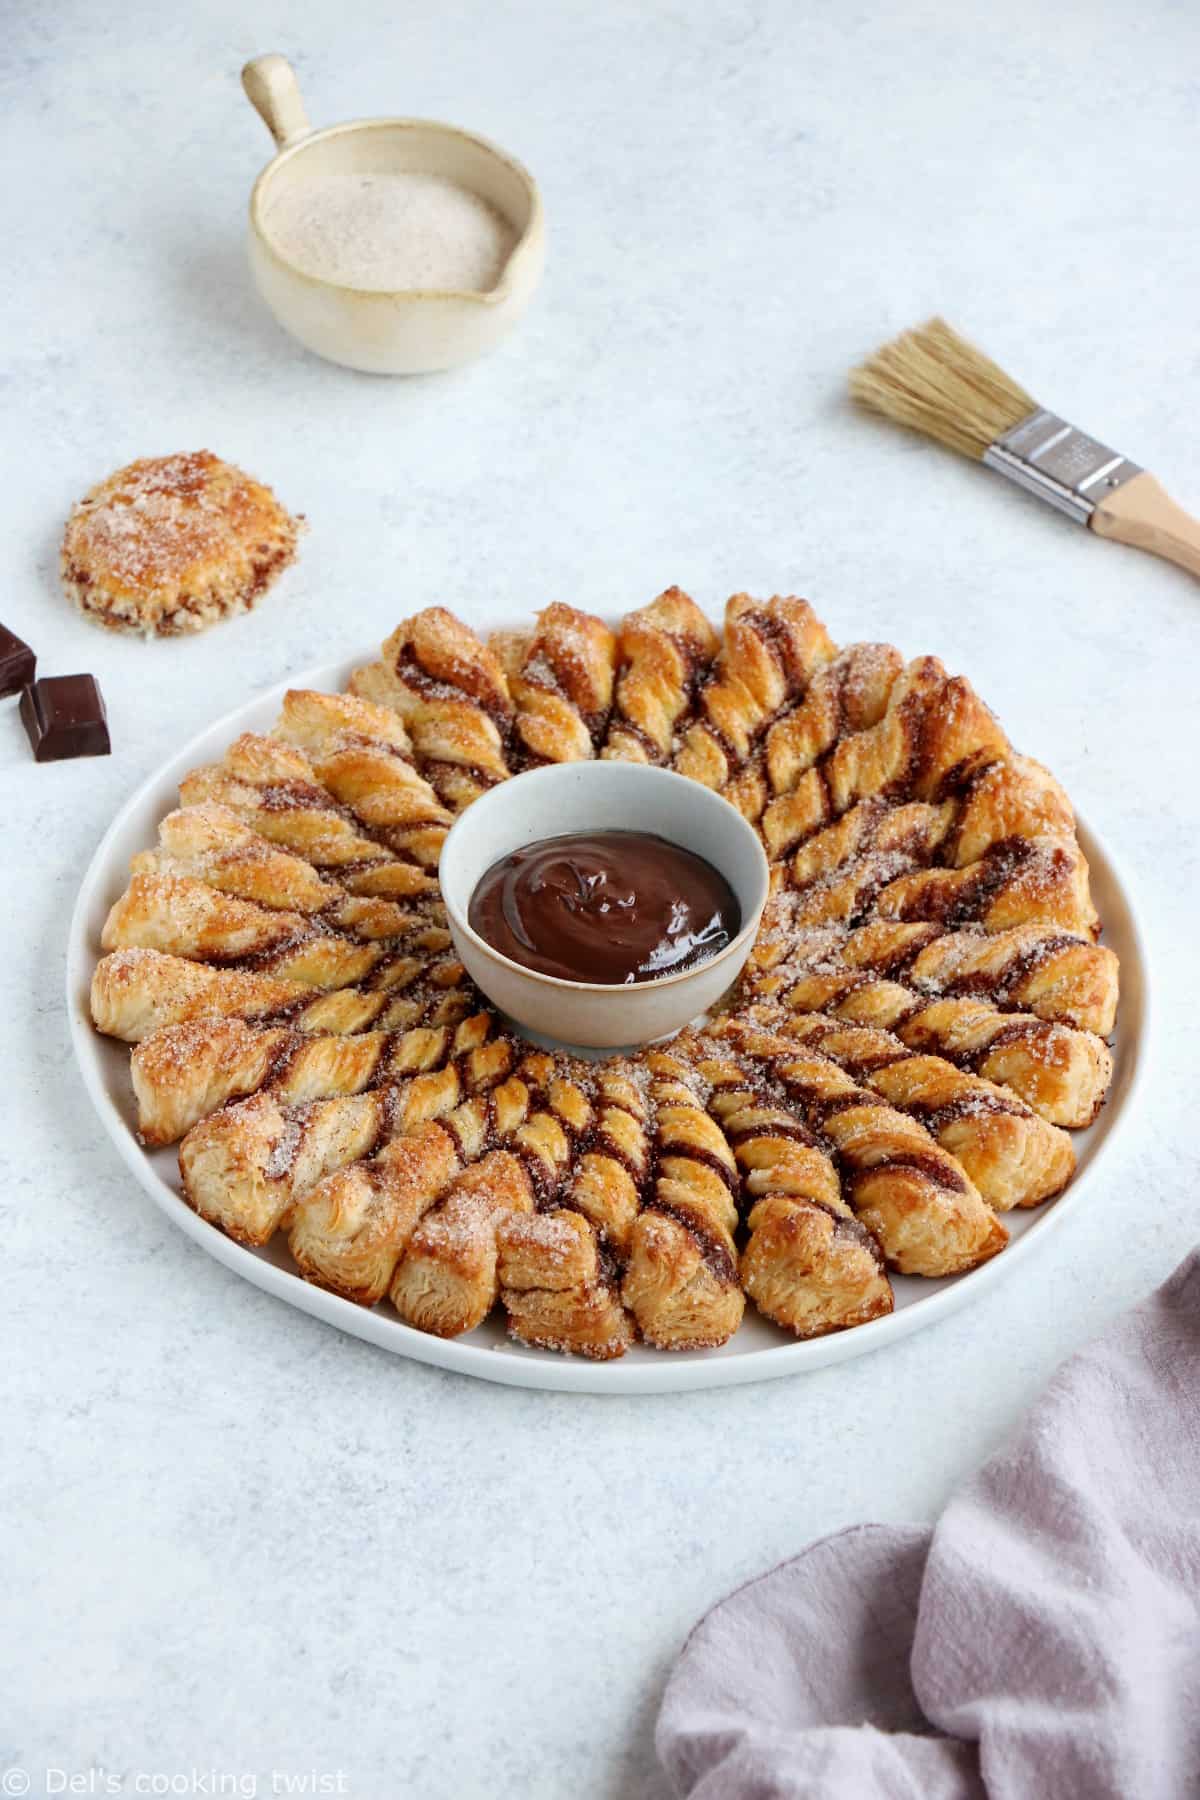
[274,93]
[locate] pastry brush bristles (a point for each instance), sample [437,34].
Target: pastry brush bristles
[938,383]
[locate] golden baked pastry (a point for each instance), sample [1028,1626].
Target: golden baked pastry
[361,754]
[172,544]
[558,1280]
[447,1281]
[559,1289]
[610,1174]
[769,654]
[452,694]
[556,1271]
[350,1230]
[808,1263]
[847,695]
[924,1012]
[681,1281]
[665,650]
[562,685]
[182,1073]
[210,843]
[247,1166]
[1014,1157]
[914,1198]
[909,979]
[274,790]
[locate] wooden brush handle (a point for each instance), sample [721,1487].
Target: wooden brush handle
[1142,514]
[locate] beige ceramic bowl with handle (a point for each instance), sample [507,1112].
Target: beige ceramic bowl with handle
[601,796]
[385,332]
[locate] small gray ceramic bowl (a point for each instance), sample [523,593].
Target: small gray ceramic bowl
[601,796]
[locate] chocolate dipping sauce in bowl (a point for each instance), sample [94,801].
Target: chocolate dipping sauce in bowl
[603,904]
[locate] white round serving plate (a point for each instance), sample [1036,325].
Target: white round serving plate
[759,1351]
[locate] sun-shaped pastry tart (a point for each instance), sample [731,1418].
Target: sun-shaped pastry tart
[921,1024]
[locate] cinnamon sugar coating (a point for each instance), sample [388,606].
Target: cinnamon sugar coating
[172,544]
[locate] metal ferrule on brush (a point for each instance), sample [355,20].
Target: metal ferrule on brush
[1065,466]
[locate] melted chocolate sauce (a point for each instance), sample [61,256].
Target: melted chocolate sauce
[605,906]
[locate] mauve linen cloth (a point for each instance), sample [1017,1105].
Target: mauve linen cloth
[1043,1640]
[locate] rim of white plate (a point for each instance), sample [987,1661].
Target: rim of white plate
[758,1351]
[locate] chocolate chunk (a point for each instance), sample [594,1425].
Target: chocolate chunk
[17,662]
[64,716]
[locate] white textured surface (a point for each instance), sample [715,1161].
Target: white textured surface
[238,1541]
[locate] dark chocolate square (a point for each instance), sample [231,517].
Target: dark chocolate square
[18,664]
[64,716]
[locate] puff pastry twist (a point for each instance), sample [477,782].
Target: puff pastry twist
[665,651]
[807,1263]
[452,693]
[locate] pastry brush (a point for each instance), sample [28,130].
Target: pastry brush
[938,383]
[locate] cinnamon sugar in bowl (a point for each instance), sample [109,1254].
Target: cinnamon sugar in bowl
[393,246]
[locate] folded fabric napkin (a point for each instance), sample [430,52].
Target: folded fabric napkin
[1042,1640]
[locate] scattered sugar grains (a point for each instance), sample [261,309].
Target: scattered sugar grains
[392,230]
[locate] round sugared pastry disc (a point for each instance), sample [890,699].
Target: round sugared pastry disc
[172,544]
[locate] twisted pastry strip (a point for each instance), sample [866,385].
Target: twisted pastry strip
[1014,1157]
[184,1072]
[839,873]
[665,649]
[350,1231]
[1006,800]
[210,843]
[186,917]
[933,739]
[888,975]
[137,992]
[559,1269]
[1054,974]
[1018,881]
[559,1285]
[610,1175]
[769,655]
[1012,798]
[911,832]
[563,686]
[415,979]
[927,1214]
[1058,1071]
[848,695]
[183,917]
[245,1167]
[452,694]
[274,790]
[801,746]
[352,1228]
[808,1264]
[448,1279]
[747,790]
[680,1279]
[361,753]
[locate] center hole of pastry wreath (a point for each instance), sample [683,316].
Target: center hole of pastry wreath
[610,907]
